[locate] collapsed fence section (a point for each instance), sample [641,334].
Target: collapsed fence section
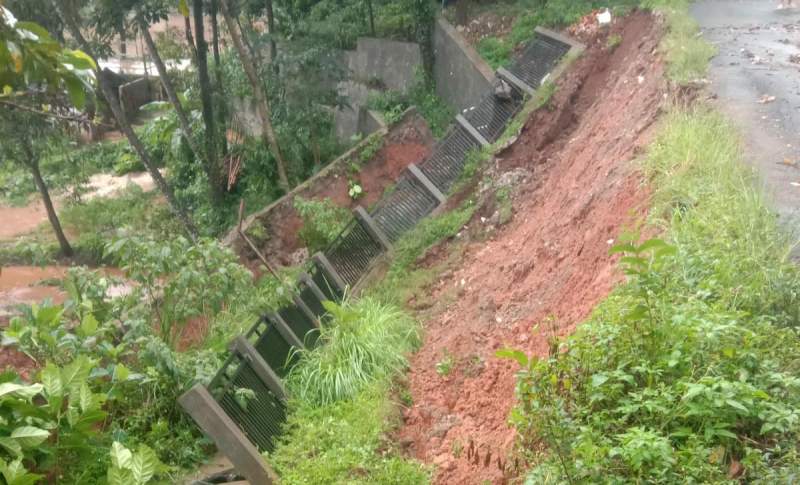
[243,408]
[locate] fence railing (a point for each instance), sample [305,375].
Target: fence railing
[246,400]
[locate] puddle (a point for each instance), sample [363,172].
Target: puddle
[20,284]
[18,221]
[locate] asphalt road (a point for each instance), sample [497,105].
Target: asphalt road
[755,62]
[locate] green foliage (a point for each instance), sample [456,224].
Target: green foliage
[422,94]
[496,52]
[687,52]
[29,56]
[128,468]
[445,366]
[178,279]
[363,342]
[345,442]
[323,221]
[688,366]
[52,424]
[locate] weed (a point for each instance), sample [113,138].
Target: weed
[322,221]
[614,41]
[364,342]
[445,365]
[505,206]
[687,53]
[496,52]
[344,443]
[457,448]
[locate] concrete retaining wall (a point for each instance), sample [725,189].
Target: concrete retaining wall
[134,95]
[462,76]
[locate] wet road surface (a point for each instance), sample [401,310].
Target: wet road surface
[756,78]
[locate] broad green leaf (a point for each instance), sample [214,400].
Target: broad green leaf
[119,476]
[29,436]
[21,391]
[88,326]
[75,90]
[513,354]
[144,465]
[11,445]
[622,248]
[121,373]
[51,380]
[120,456]
[16,474]
[599,379]
[737,405]
[652,244]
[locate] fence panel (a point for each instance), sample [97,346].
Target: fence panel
[538,58]
[353,252]
[404,207]
[249,403]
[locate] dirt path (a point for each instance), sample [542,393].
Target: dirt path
[548,266]
[759,57]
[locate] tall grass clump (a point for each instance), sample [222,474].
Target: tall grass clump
[364,342]
[687,373]
[687,52]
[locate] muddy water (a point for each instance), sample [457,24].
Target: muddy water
[16,221]
[21,284]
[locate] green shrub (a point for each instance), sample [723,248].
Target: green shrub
[323,221]
[496,52]
[363,342]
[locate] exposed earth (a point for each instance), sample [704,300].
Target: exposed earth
[756,78]
[549,266]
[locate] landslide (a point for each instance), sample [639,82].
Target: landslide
[573,188]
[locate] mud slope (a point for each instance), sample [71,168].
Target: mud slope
[549,265]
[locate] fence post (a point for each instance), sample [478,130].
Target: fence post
[426,182]
[369,225]
[285,331]
[514,80]
[213,420]
[306,280]
[306,311]
[245,349]
[472,131]
[330,271]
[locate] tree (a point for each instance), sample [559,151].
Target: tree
[74,27]
[262,103]
[213,168]
[143,20]
[29,136]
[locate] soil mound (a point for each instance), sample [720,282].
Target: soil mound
[548,266]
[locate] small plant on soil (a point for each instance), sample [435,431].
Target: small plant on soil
[614,41]
[445,366]
[355,192]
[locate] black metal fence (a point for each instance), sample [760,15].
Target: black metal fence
[238,388]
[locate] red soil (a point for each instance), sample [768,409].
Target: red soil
[549,265]
[408,142]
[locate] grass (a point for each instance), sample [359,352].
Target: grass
[363,342]
[345,442]
[341,408]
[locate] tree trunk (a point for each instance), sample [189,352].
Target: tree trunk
[268,131]
[125,126]
[183,119]
[219,88]
[273,49]
[190,38]
[371,18]
[33,164]
[213,169]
